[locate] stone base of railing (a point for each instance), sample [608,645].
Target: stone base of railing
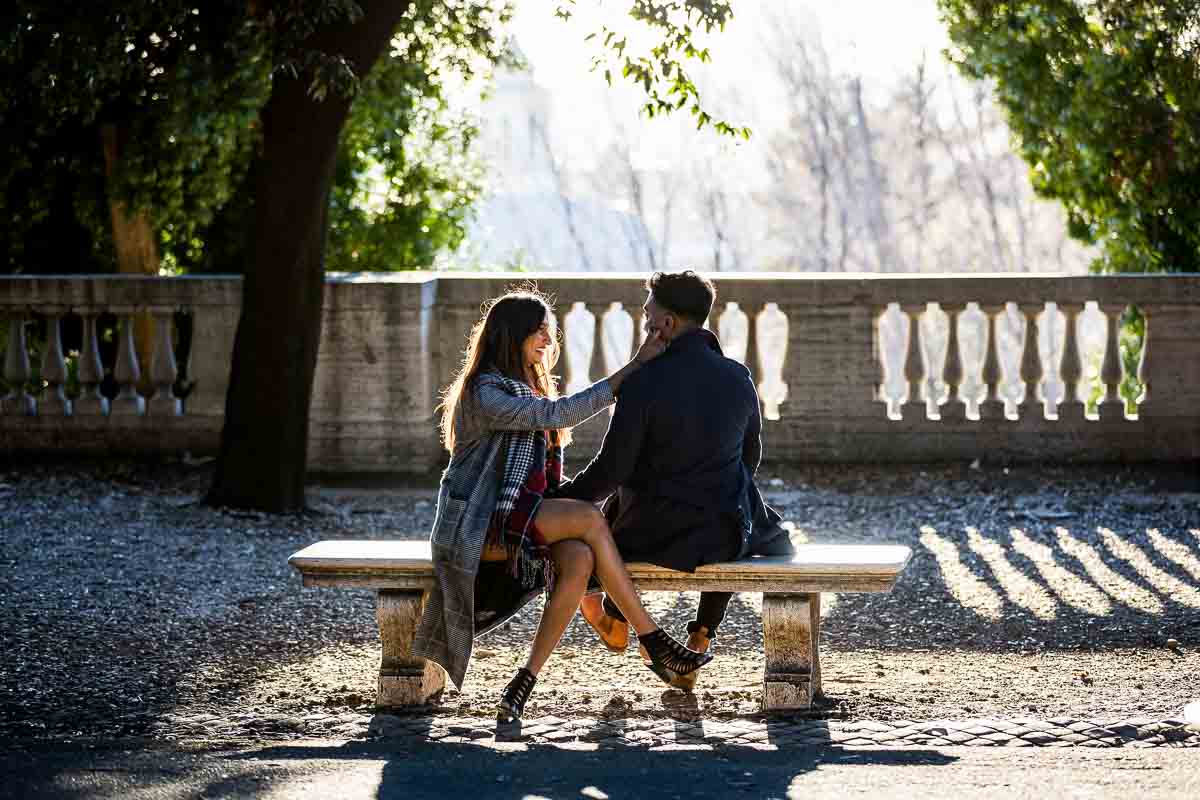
[343,447]
[400,446]
[110,435]
[1023,441]
[1020,442]
[413,448]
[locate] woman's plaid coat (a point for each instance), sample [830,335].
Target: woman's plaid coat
[467,497]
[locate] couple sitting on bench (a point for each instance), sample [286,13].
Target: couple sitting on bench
[675,471]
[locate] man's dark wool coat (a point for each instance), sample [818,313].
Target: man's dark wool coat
[678,461]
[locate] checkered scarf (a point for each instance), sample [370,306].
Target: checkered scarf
[524,453]
[519,448]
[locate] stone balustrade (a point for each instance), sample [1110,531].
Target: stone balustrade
[61,411]
[849,368]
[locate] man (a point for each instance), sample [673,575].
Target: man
[678,461]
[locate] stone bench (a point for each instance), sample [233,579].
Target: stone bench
[401,571]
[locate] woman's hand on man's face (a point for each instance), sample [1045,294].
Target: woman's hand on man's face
[651,348]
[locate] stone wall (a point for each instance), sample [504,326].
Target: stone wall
[856,368]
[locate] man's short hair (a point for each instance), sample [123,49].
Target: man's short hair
[685,294]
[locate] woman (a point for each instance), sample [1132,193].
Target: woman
[496,543]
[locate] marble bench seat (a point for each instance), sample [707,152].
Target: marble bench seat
[401,571]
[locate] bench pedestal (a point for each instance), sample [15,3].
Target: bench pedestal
[403,679]
[791,632]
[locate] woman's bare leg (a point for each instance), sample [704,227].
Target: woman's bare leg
[574,562]
[559,520]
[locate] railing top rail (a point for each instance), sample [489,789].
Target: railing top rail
[427,288]
[111,278]
[835,277]
[821,289]
[421,276]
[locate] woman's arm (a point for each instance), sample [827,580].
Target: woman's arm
[507,412]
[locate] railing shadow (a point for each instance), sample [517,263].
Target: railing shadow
[1017,586]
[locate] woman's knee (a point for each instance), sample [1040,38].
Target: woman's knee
[596,523]
[573,557]
[588,518]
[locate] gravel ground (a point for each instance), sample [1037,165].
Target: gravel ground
[126,605]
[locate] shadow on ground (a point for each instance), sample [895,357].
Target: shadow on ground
[125,606]
[389,770]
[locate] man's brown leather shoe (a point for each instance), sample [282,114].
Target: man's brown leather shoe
[613,633]
[697,640]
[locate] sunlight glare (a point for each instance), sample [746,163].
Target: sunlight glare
[350,778]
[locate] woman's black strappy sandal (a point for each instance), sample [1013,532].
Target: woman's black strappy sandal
[668,658]
[512,702]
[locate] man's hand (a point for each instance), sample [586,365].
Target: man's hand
[651,348]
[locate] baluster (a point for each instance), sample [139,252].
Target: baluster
[1145,372]
[730,323]
[881,393]
[1031,357]
[559,370]
[753,360]
[992,407]
[574,370]
[91,371]
[597,369]
[127,372]
[955,409]
[639,330]
[163,370]
[1071,367]
[1110,369]
[914,365]
[622,321]
[772,350]
[17,402]
[54,369]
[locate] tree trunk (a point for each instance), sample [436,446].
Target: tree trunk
[264,444]
[136,246]
[133,235]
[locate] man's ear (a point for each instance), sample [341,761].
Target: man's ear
[670,323]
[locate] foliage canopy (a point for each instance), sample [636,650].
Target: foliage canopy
[183,85]
[1103,99]
[181,88]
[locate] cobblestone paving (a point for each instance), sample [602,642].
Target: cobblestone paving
[697,733]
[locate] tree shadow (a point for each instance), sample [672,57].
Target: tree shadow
[611,767]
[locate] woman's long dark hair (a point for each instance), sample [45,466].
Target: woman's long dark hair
[495,343]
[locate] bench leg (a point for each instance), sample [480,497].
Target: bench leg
[403,679]
[791,630]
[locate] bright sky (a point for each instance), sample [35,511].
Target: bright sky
[877,39]
[872,37]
